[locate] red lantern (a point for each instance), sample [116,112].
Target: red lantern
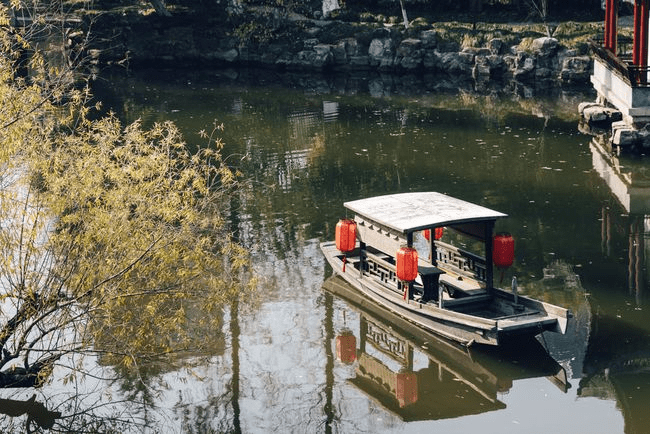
[346,348]
[437,233]
[346,235]
[503,248]
[407,264]
[406,389]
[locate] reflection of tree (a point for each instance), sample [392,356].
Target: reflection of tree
[36,412]
[68,413]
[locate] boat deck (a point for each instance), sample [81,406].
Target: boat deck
[441,288]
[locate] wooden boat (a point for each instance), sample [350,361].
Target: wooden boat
[450,292]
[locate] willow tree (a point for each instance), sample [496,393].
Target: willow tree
[113,239]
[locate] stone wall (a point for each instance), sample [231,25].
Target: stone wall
[177,42]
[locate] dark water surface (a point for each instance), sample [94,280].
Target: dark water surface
[308,360]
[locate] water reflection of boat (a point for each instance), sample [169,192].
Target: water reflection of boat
[420,376]
[451,294]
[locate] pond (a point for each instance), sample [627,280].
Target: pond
[306,359]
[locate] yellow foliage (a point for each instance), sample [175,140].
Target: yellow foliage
[112,231]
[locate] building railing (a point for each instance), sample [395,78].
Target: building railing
[621,64]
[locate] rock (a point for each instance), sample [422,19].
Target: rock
[576,69]
[496,46]
[359,62]
[323,56]
[498,66]
[429,38]
[586,104]
[545,46]
[625,136]
[431,60]
[644,136]
[448,47]
[457,63]
[409,54]
[525,67]
[481,70]
[339,53]
[308,44]
[594,113]
[352,47]
[475,51]
[381,52]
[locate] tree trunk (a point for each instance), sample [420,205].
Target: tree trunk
[406,20]
[32,376]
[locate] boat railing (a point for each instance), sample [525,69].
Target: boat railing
[460,262]
[383,268]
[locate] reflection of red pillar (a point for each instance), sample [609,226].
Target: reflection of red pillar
[406,390]
[346,348]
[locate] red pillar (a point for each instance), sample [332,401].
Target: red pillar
[613,18]
[608,10]
[643,34]
[640,47]
[636,44]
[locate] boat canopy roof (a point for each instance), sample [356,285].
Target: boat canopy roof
[409,212]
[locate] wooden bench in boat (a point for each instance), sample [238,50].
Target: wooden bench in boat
[465,272]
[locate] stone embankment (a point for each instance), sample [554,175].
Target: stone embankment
[543,64]
[604,120]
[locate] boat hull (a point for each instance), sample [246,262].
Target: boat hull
[489,320]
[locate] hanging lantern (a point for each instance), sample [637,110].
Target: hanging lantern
[407,264]
[437,233]
[346,235]
[346,348]
[406,388]
[503,250]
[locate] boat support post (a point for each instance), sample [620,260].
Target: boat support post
[409,287]
[362,257]
[489,271]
